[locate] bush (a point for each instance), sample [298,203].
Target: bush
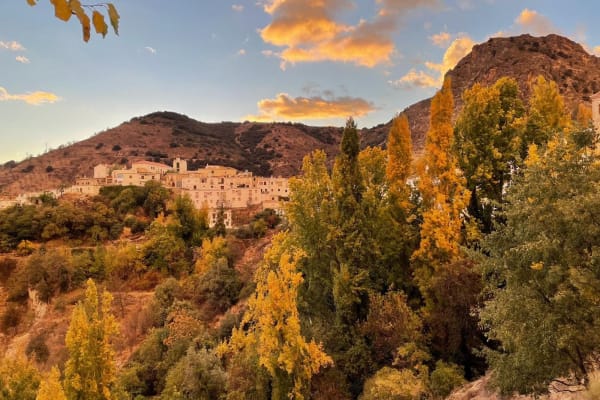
[445,378]
[116,147]
[25,248]
[38,349]
[49,168]
[12,316]
[7,267]
[218,289]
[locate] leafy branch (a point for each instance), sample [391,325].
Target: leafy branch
[64,9]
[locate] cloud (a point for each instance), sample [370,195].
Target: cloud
[22,59]
[308,31]
[441,39]
[458,49]
[241,52]
[285,107]
[533,22]
[237,7]
[416,78]
[150,50]
[34,98]
[12,46]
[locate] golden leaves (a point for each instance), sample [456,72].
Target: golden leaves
[114,16]
[99,23]
[63,9]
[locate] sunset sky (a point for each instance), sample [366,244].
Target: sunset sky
[313,61]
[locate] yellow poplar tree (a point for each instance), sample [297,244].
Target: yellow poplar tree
[398,168]
[584,115]
[274,323]
[441,185]
[50,388]
[90,371]
[547,113]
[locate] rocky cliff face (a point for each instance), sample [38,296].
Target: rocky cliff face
[278,148]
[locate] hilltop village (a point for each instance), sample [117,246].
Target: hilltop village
[215,188]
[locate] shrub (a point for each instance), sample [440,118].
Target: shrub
[25,248]
[445,378]
[218,289]
[49,168]
[7,267]
[12,316]
[38,349]
[116,147]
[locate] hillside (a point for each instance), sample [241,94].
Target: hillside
[278,148]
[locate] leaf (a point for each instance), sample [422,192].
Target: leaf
[85,25]
[31,2]
[99,23]
[61,9]
[114,17]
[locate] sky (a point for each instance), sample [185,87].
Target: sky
[311,61]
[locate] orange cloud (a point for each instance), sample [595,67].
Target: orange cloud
[536,23]
[441,39]
[308,31]
[416,78]
[284,107]
[34,98]
[458,49]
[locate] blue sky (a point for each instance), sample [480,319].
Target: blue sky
[313,61]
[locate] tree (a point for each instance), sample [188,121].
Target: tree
[19,379]
[547,114]
[273,325]
[310,214]
[399,164]
[443,194]
[90,371]
[51,388]
[199,375]
[398,233]
[353,255]
[392,384]
[64,9]
[543,273]
[488,140]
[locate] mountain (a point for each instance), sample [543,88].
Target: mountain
[523,57]
[278,148]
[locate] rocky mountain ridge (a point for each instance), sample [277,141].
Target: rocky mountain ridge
[278,148]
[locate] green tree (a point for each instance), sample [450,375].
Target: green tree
[353,255]
[488,140]
[192,224]
[310,213]
[90,371]
[543,273]
[199,375]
